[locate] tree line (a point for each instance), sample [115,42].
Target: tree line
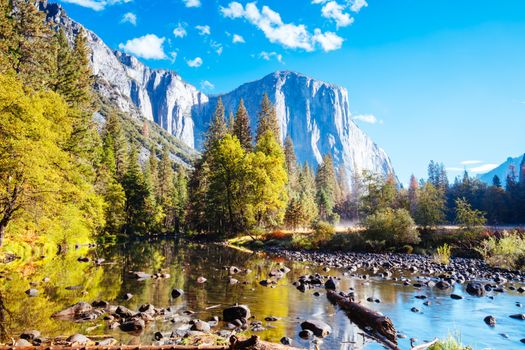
[63,176]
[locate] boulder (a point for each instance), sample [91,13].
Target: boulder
[200,326]
[135,325]
[490,320]
[176,293]
[30,335]
[236,312]
[78,339]
[319,328]
[476,289]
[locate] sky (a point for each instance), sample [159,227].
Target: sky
[439,80]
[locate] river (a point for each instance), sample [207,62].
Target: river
[62,280]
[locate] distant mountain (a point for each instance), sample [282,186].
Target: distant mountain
[315,114]
[503,170]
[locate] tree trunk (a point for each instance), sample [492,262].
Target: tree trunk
[365,317]
[2,232]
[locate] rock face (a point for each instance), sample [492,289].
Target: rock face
[315,114]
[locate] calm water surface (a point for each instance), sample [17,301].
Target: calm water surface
[186,261]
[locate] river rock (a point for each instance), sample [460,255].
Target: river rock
[443,285]
[140,275]
[78,339]
[306,334]
[32,292]
[102,304]
[490,320]
[456,296]
[106,342]
[236,312]
[127,296]
[73,311]
[330,284]
[124,312]
[135,325]
[200,326]
[475,289]
[319,328]
[147,309]
[30,335]
[176,293]
[286,341]
[518,316]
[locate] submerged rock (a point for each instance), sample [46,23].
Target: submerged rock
[236,312]
[319,328]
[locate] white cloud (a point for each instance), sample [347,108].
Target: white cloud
[148,46]
[173,56]
[203,30]
[192,3]
[129,18]
[332,10]
[179,31]
[329,41]
[97,5]
[238,39]
[206,85]
[484,168]
[268,55]
[217,47]
[471,162]
[357,5]
[276,31]
[367,118]
[194,63]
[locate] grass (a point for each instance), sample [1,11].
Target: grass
[450,343]
[443,254]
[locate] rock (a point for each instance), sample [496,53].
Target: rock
[124,312]
[22,343]
[140,275]
[232,281]
[456,296]
[271,319]
[30,335]
[201,280]
[286,341]
[158,336]
[233,270]
[475,289]
[490,320]
[102,304]
[306,334]
[518,316]
[236,312]
[147,309]
[414,309]
[176,293]
[78,339]
[73,311]
[443,285]
[32,292]
[331,284]
[106,342]
[84,259]
[135,325]
[127,296]
[319,328]
[200,326]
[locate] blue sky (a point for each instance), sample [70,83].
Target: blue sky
[427,79]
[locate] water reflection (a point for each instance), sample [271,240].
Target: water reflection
[185,262]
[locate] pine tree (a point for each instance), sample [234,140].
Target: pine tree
[496,182]
[241,127]
[83,87]
[326,184]
[35,49]
[267,119]
[231,123]
[113,127]
[291,167]
[65,75]
[218,127]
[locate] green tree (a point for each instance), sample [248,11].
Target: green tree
[267,120]
[393,226]
[241,127]
[469,219]
[430,208]
[326,185]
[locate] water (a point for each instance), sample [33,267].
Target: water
[186,261]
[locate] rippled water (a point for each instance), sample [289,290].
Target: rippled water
[186,261]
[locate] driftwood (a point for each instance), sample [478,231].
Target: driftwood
[382,326]
[425,345]
[253,343]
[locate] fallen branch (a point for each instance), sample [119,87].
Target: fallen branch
[382,326]
[425,345]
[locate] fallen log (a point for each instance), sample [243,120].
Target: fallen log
[383,328]
[425,345]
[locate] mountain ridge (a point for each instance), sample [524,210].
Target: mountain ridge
[315,113]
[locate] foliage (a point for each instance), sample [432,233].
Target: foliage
[394,226]
[442,255]
[469,219]
[508,251]
[451,343]
[430,206]
[323,230]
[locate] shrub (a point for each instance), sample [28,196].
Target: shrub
[451,343]
[303,241]
[506,252]
[323,231]
[347,241]
[408,249]
[394,227]
[442,255]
